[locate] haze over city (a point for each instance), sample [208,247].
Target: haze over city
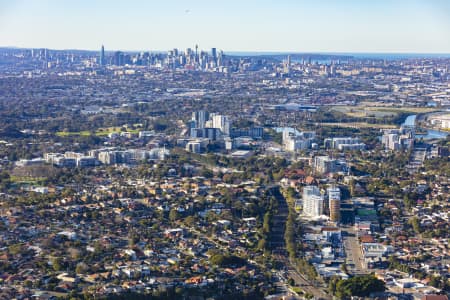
[414,26]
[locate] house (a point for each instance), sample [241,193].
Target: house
[310,180]
[435,297]
[194,280]
[174,232]
[67,278]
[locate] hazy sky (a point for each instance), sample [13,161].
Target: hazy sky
[232,25]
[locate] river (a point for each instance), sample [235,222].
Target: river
[410,121]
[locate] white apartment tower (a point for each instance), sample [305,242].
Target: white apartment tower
[312,201]
[221,122]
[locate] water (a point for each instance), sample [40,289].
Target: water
[432,134]
[410,121]
[398,56]
[357,55]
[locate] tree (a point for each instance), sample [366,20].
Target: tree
[408,202]
[261,244]
[174,215]
[291,282]
[361,286]
[57,263]
[415,223]
[207,173]
[28,283]
[74,253]
[226,260]
[81,268]
[266,222]
[190,221]
[344,268]
[133,239]
[332,284]
[15,249]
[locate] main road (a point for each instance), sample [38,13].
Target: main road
[355,259]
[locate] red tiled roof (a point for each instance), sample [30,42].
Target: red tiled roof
[435,297]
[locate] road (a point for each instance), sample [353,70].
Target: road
[354,260]
[277,243]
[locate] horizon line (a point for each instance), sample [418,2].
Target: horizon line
[269,52]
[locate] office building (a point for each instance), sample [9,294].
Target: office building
[193,147]
[344,143]
[86,161]
[220,59]
[209,133]
[221,122]
[107,157]
[102,56]
[287,65]
[253,132]
[296,143]
[118,59]
[398,139]
[200,118]
[214,55]
[325,164]
[294,140]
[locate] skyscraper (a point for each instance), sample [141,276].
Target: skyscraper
[118,58]
[221,122]
[220,59]
[287,65]
[214,55]
[196,54]
[102,56]
[200,117]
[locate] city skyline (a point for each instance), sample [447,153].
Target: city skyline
[182,169]
[254,26]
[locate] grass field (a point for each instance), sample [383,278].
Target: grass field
[28,180]
[369,110]
[68,133]
[297,289]
[358,125]
[99,132]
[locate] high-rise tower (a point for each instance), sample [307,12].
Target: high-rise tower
[220,59]
[214,55]
[196,53]
[287,65]
[334,203]
[222,122]
[102,56]
[312,201]
[200,118]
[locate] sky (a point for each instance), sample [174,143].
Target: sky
[368,26]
